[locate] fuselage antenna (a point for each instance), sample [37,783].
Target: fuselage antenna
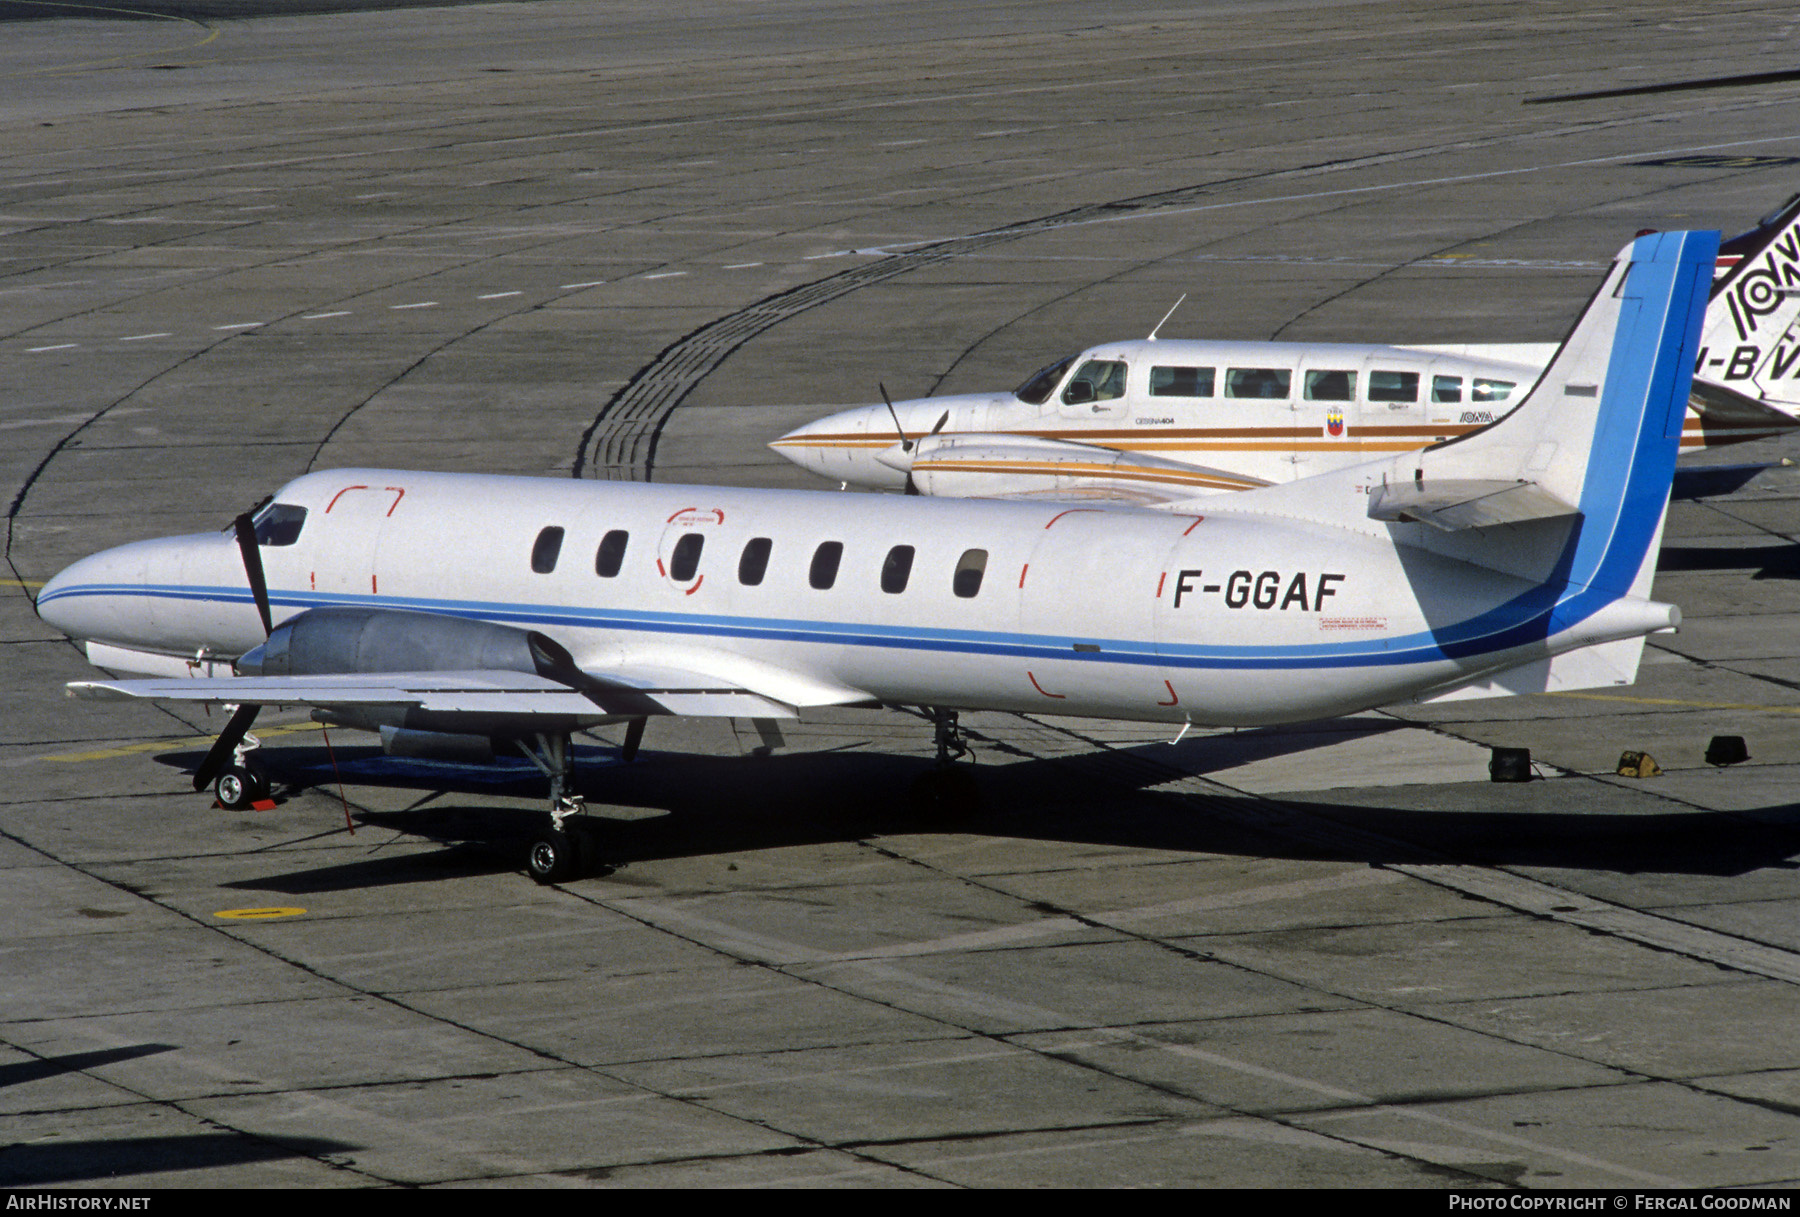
[1166,317]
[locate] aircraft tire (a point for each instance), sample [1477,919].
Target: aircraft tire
[238,786]
[552,858]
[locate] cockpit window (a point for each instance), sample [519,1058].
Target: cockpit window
[1096,380]
[1037,390]
[280,524]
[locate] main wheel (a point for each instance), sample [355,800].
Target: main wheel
[553,858]
[238,786]
[946,795]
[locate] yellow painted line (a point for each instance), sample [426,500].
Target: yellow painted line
[106,754]
[21,583]
[116,59]
[269,914]
[1692,705]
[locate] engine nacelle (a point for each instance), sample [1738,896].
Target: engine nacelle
[332,641]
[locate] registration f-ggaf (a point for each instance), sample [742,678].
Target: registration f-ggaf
[440,609]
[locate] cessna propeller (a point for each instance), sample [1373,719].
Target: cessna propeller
[906,445]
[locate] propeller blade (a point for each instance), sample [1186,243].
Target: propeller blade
[253,567]
[906,445]
[222,747]
[912,487]
[634,735]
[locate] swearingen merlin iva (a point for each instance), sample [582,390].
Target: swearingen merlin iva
[442,607]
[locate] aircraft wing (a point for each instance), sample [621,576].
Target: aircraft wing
[1012,466]
[627,691]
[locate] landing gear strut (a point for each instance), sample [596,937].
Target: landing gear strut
[555,855]
[946,792]
[242,781]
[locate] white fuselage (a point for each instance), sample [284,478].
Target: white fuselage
[1117,612]
[1263,412]
[1235,414]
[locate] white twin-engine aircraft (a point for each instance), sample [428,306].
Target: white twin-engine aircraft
[439,607]
[1155,421]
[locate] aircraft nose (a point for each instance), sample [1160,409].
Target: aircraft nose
[842,447]
[81,599]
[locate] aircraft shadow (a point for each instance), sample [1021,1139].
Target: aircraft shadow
[113,1160]
[20,1072]
[1774,561]
[718,805]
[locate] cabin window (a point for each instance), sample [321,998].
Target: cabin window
[1446,388]
[611,554]
[1037,390]
[1393,386]
[825,561]
[1262,383]
[1181,382]
[1491,390]
[1324,385]
[896,569]
[280,524]
[969,569]
[1097,380]
[754,563]
[685,559]
[545,550]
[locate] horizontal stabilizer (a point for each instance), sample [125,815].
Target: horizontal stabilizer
[1457,503]
[1728,416]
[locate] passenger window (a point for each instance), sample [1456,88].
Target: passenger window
[1263,383]
[545,550]
[1330,386]
[280,524]
[1446,388]
[825,561]
[1181,382]
[897,569]
[969,570]
[611,554]
[1097,380]
[1491,390]
[754,563]
[1393,386]
[685,560]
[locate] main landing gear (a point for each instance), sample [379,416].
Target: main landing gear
[947,792]
[242,782]
[556,855]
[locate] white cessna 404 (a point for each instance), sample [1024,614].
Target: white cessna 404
[1154,420]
